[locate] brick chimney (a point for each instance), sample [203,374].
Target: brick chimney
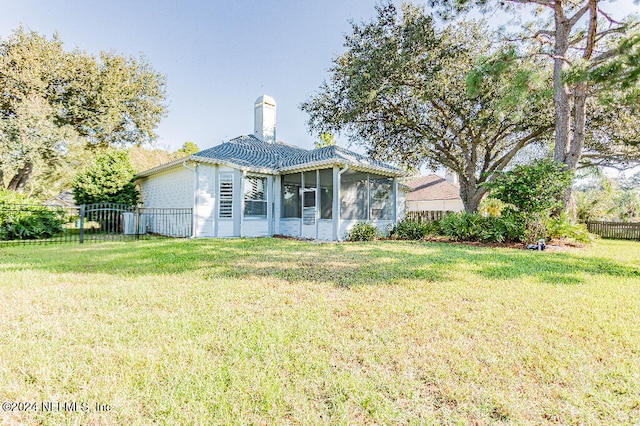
[264,119]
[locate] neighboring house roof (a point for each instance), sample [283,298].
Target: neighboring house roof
[252,154]
[64,199]
[432,187]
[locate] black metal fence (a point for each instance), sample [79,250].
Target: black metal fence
[28,224]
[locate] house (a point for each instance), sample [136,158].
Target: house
[254,186]
[434,193]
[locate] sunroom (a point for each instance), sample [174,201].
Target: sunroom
[325,203]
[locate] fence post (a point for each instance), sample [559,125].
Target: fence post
[137,222]
[82,211]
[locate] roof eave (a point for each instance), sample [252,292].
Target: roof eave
[194,158]
[367,168]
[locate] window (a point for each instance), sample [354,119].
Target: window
[291,206]
[226,196]
[255,197]
[326,193]
[366,196]
[353,191]
[381,191]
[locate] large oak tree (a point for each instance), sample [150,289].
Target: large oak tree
[596,64]
[415,95]
[52,99]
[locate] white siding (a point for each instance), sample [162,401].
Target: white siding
[325,229]
[400,205]
[170,189]
[206,196]
[255,228]
[289,227]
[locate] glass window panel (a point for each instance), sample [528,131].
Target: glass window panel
[326,193]
[353,191]
[381,192]
[255,197]
[291,206]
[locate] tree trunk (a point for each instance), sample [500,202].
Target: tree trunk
[561,94]
[19,181]
[471,194]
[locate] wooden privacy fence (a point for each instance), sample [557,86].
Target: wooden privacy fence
[619,230]
[426,216]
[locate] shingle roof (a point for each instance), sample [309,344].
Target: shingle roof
[253,154]
[249,151]
[335,155]
[432,187]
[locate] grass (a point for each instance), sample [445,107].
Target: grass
[268,331]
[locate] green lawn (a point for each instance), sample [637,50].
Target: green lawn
[269,331]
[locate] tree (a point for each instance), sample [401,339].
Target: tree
[147,158]
[51,97]
[109,179]
[532,192]
[589,51]
[415,95]
[187,149]
[325,139]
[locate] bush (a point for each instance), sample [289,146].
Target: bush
[363,231]
[22,221]
[109,179]
[30,225]
[474,227]
[408,229]
[564,227]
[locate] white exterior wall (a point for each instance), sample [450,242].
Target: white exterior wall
[206,195]
[325,229]
[400,205]
[289,227]
[255,228]
[435,205]
[170,189]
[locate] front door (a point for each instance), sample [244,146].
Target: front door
[309,213]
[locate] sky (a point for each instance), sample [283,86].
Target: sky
[218,56]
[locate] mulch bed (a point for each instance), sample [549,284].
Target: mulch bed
[553,245]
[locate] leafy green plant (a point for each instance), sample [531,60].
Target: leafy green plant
[408,229]
[532,191]
[564,227]
[24,222]
[461,226]
[363,231]
[109,179]
[475,227]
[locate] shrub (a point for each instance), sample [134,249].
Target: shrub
[474,227]
[363,231]
[109,179]
[461,226]
[408,229]
[564,227]
[532,192]
[21,221]
[30,225]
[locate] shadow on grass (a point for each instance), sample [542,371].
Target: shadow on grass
[344,265]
